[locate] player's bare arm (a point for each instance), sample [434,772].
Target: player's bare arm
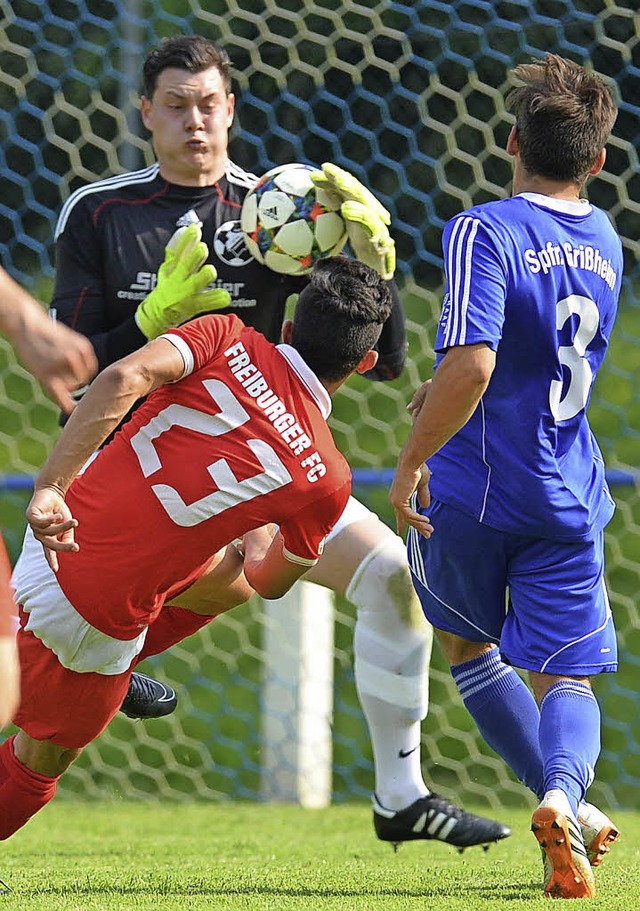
[62,360]
[9,678]
[457,387]
[108,400]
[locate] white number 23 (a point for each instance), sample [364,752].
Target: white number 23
[230,491]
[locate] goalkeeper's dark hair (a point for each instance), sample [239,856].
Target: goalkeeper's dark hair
[339,316]
[564,115]
[185,52]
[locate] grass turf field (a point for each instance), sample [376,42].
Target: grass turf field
[231,856]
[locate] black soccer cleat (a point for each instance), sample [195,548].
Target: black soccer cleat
[433,817]
[148,698]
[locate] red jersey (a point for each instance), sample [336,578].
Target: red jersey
[240,441]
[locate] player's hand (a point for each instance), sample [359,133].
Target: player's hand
[61,359]
[52,524]
[181,291]
[418,400]
[405,484]
[366,218]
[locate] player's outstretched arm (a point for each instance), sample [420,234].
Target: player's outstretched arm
[181,292]
[109,398]
[446,405]
[366,218]
[9,678]
[62,360]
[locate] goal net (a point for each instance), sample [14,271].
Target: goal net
[409,97]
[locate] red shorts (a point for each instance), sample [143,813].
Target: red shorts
[59,705]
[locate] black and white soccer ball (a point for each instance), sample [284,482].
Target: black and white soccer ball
[288,224]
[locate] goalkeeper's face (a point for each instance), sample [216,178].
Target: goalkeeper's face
[189,117]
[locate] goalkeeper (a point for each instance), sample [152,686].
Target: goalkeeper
[116,284]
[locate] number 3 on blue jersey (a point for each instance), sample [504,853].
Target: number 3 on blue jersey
[573,357]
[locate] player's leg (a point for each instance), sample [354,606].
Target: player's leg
[467,608]
[221,587]
[60,712]
[570,745]
[365,561]
[561,630]
[501,704]
[24,789]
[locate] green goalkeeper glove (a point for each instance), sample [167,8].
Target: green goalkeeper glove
[365,217]
[182,278]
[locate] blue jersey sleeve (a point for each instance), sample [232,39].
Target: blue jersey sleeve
[475,289]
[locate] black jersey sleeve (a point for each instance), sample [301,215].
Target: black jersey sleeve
[79,299]
[392,344]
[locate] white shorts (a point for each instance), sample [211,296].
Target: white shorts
[54,620]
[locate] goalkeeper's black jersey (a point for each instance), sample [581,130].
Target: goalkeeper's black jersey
[110,243]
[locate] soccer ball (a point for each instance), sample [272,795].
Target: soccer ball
[288,224]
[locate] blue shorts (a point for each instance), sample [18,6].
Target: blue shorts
[543,602]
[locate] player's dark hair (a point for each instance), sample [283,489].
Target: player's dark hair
[339,316]
[564,115]
[185,52]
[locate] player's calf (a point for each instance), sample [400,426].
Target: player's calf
[24,791]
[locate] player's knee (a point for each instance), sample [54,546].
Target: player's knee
[381,587]
[459,651]
[542,683]
[393,640]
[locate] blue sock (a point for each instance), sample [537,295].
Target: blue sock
[506,713]
[569,739]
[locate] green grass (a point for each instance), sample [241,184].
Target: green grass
[230,856]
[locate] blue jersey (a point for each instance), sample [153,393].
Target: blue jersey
[538,281]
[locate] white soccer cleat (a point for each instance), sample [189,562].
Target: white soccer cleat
[598,832]
[567,870]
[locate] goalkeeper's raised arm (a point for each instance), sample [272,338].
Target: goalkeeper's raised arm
[182,291]
[368,222]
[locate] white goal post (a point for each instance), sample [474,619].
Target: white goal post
[297,696]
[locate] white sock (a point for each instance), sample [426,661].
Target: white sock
[392,647]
